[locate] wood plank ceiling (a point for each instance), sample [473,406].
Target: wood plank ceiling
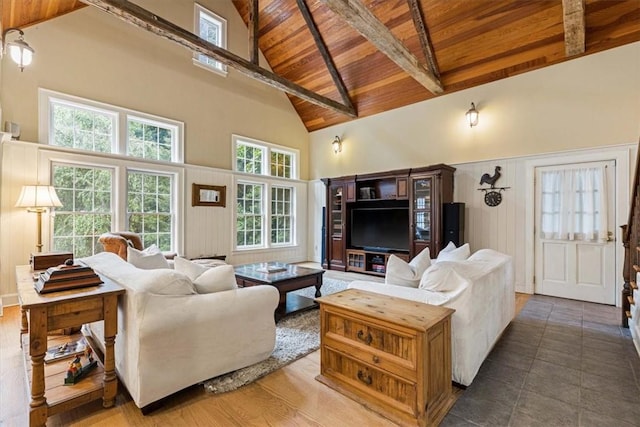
[456,44]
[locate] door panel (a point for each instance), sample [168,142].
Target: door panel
[577,269]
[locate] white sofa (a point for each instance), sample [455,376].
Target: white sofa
[481,291]
[171,337]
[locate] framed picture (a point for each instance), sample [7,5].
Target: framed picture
[209,195]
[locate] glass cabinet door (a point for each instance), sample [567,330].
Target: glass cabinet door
[336,211]
[422,208]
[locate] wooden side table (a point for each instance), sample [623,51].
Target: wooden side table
[58,310]
[391,355]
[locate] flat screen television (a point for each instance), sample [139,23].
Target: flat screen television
[384,229]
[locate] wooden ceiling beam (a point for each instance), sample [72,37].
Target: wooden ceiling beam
[324,52]
[574,26]
[365,22]
[253,31]
[423,35]
[142,18]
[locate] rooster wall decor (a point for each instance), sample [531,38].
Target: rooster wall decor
[491,196]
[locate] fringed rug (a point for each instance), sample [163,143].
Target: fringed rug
[296,336]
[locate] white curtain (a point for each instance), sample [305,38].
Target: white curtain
[573,204]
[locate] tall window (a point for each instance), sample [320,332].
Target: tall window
[149,205]
[212,28]
[250,215]
[265,214]
[73,122]
[281,215]
[86,212]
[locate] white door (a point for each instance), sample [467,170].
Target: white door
[575,217]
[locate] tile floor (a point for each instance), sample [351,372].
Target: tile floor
[560,363]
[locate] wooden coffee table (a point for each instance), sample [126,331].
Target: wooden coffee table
[291,277]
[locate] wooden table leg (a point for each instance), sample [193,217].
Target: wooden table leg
[24,324]
[318,286]
[110,381]
[37,349]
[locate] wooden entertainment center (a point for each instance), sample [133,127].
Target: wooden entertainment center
[418,192]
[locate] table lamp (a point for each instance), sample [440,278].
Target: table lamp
[37,198]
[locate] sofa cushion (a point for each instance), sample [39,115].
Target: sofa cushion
[451,253]
[401,273]
[191,269]
[443,277]
[216,279]
[147,259]
[162,281]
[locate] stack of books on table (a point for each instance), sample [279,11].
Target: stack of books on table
[65,277]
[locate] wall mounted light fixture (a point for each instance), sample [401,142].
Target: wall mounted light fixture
[336,144]
[472,115]
[19,50]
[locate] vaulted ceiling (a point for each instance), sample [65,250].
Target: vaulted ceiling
[370,56]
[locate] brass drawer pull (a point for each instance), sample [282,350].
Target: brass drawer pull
[367,340]
[364,378]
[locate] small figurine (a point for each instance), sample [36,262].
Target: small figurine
[76,371]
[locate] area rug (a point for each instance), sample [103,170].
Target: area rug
[296,336]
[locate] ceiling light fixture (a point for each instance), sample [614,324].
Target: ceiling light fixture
[472,115]
[337,145]
[19,50]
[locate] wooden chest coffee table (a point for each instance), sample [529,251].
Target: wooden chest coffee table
[289,277]
[391,355]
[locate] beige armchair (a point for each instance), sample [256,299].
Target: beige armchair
[118,241]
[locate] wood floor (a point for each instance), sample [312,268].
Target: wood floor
[288,397]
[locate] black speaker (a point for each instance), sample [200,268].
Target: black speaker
[453,223]
[323,248]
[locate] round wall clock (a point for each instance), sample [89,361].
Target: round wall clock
[492,198]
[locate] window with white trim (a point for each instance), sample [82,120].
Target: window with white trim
[87,207]
[212,28]
[149,207]
[83,127]
[72,122]
[281,215]
[250,215]
[265,208]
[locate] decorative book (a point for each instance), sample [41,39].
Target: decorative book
[65,350]
[66,277]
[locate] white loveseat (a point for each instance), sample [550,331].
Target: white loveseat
[171,337]
[480,289]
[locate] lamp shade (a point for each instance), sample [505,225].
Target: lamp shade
[38,196]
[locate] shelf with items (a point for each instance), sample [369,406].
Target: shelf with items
[370,262]
[43,314]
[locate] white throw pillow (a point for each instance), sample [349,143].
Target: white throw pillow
[216,279]
[450,246]
[191,269]
[401,273]
[457,254]
[148,259]
[161,281]
[442,277]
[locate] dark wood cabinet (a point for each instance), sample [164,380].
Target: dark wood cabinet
[338,192]
[420,192]
[430,188]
